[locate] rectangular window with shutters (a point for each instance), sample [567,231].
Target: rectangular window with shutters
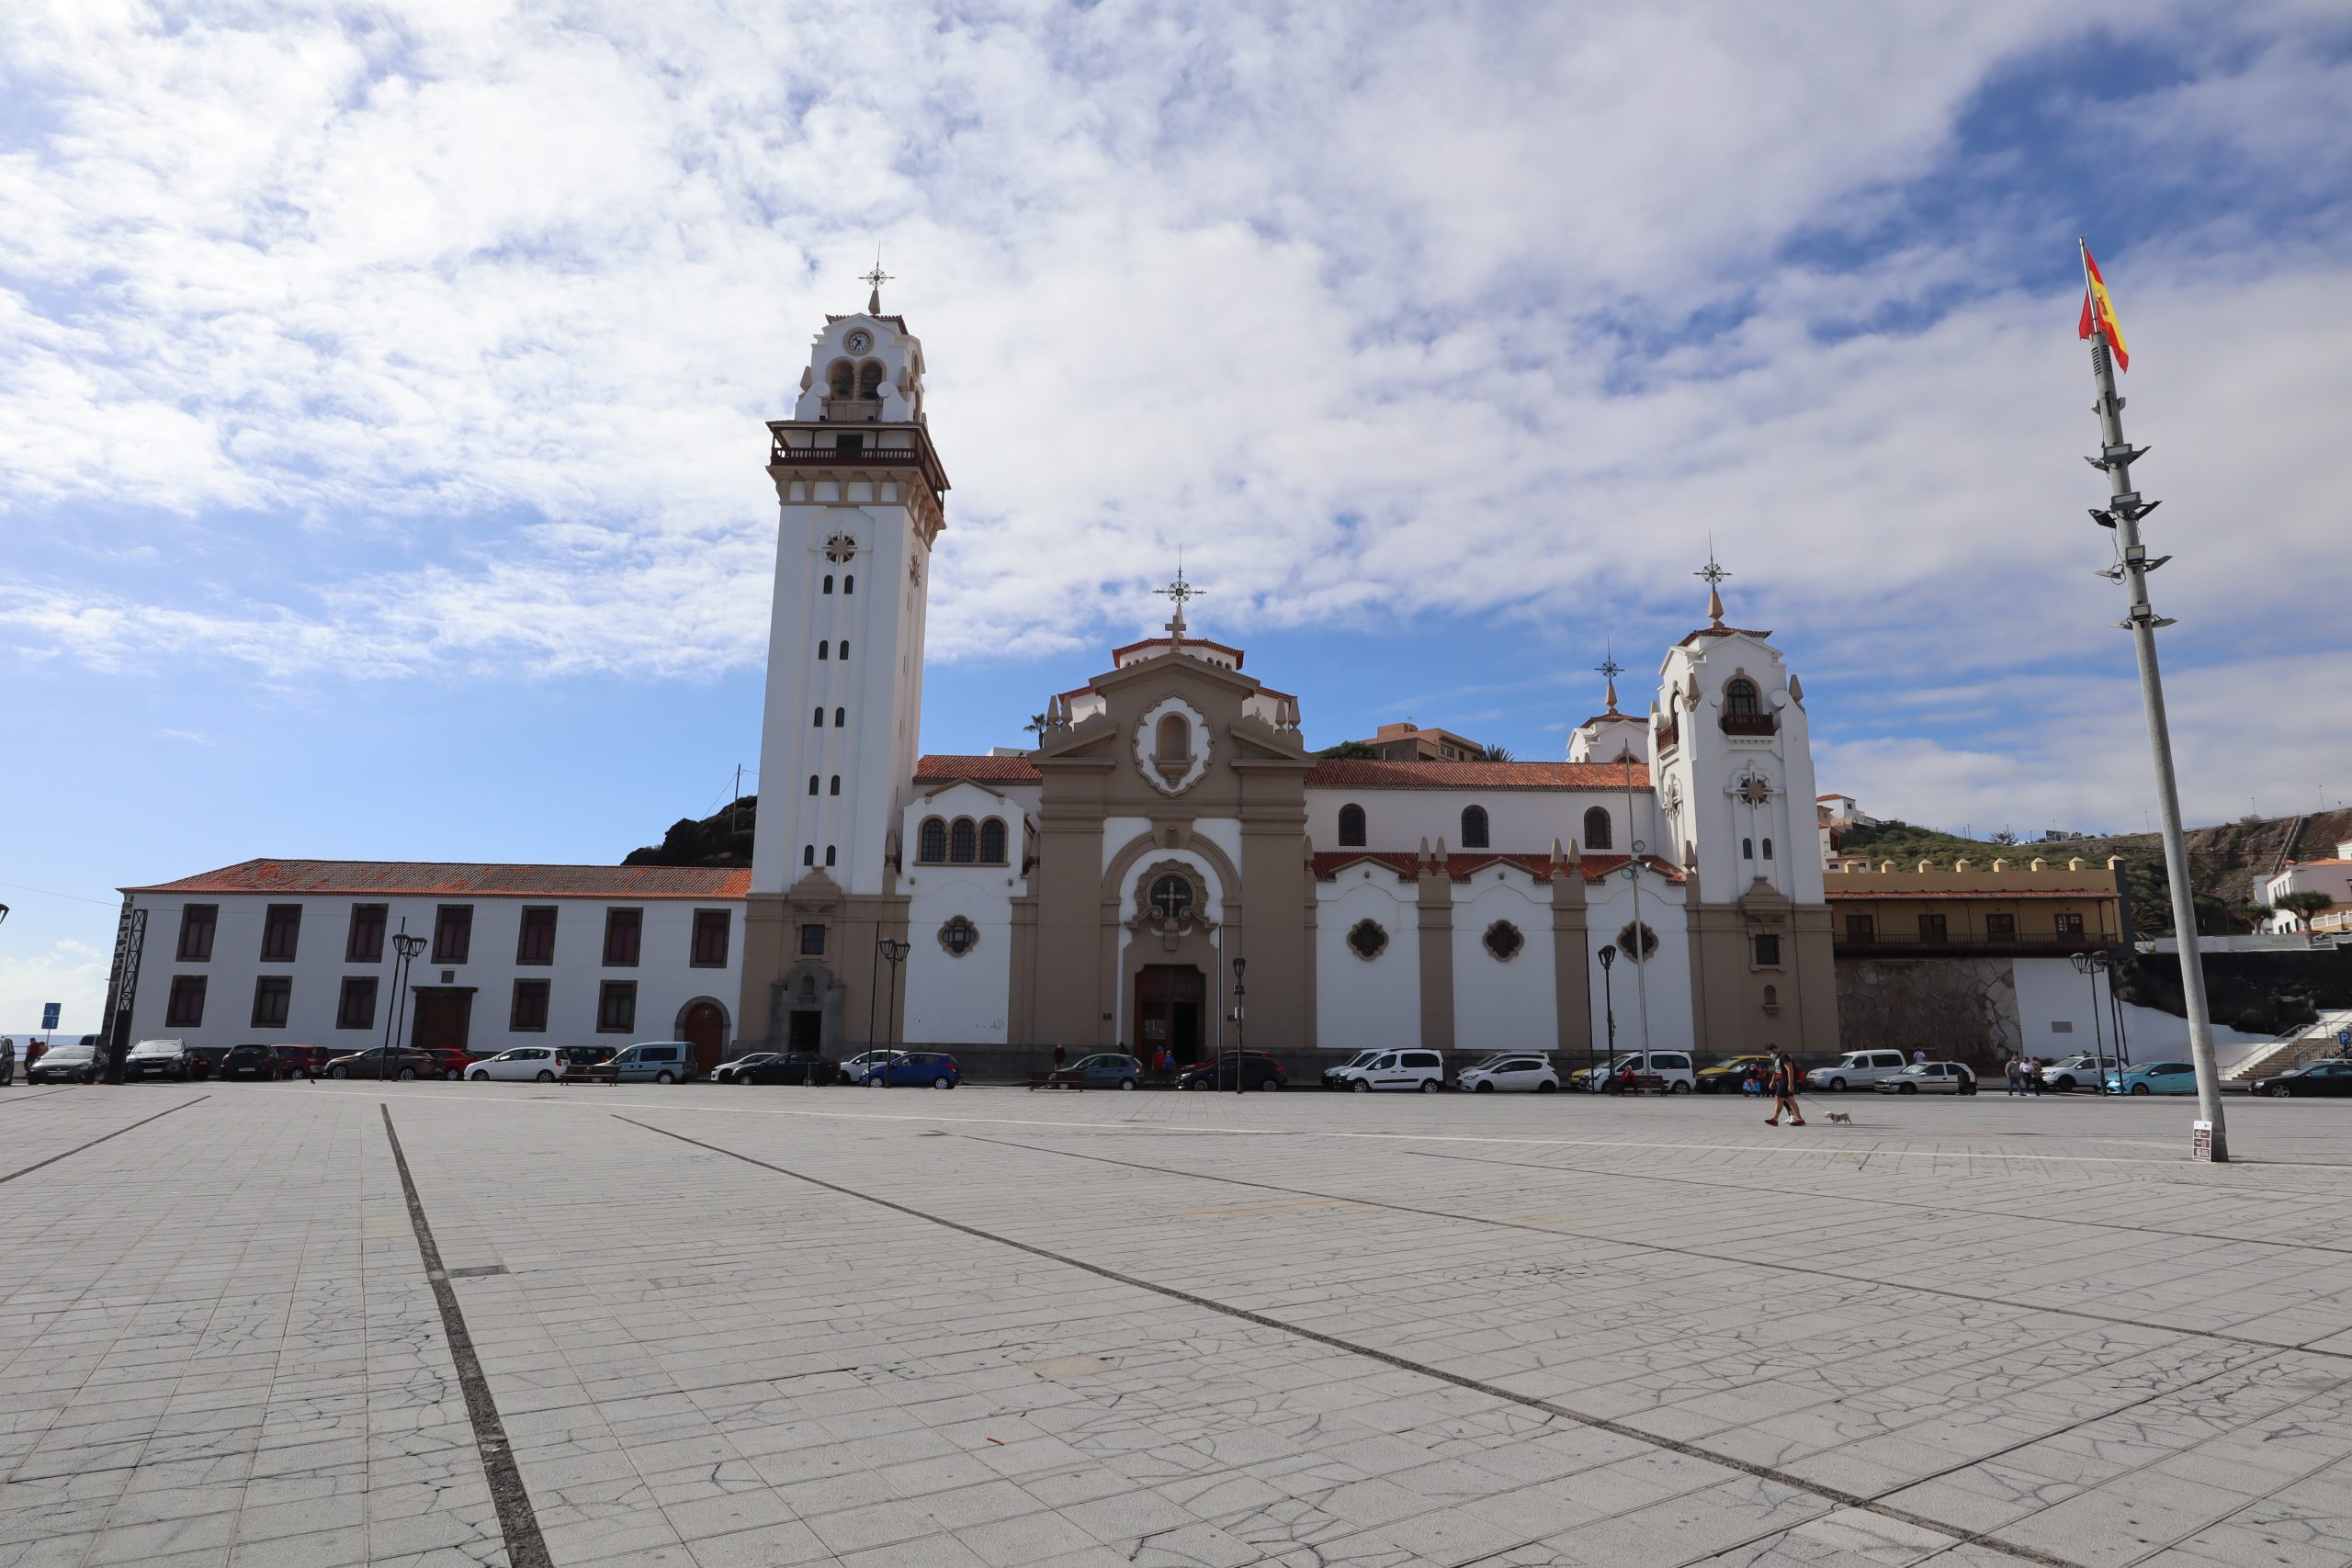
[281,932]
[356,1009]
[367,942]
[530,1014]
[535,944]
[453,933]
[2000,928]
[1862,928]
[617,1007]
[273,994]
[197,924]
[710,939]
[623,930]
[186,1008]
[1932,928]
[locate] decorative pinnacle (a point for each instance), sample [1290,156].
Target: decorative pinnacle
[1714,575]
[1609,668]
[874,280]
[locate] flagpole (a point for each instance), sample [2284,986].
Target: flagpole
[2123,511]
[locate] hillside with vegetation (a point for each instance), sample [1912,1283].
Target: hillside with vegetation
[2223,861]
[724,837]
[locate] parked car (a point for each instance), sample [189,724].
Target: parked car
[1419,1070]
[787,1066]
[250,1061]
[854,1070]
[451,1064]
[7,1062]
[726,1071]
[1930,1078]
[2153,1078]
[578,1059]
[1527,1074]
[1108,1069]
[524,1063]
[1726,1076]
[1335,1076]
[401,1062]
[1254,1069]
[160,1059]
[302,1061]
[2330,1076]
[204,1061]
[2081,1070]
[1668,1072]
[1857,1069]
[653,1061]
[66,1064]
[909,1069]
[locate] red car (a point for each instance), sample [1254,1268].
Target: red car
[453,1064]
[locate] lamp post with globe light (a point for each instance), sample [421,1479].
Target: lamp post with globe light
[406,949]
[1608,957]
[894,952]
[1238,990]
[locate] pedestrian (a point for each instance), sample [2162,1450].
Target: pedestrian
[1750,1085]
[1918,1057]
[1784,1091]
[2033,1076]
[2013,1070]
[1058,1058]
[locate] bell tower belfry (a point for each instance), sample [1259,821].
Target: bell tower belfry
[860,491]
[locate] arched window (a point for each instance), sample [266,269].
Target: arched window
[1748,848]
[843,650]
[1175,738]
[1771,996]
[1739,698]
[992,841]
[841,377]
[849,582]
[1473,827]
[807,855]
[818,719]
[1768,849]
[1352,827]
[869,379]
[837,785]
[829,854]
[1598,834]
[841,717]
[812,784]
[829,582]
[931,842]
[963,841]
[824,648]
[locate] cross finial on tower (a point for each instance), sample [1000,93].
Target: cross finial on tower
[1715,576]
[1609,668]
[1178,592]
[874,280]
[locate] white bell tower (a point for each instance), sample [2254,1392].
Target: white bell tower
[860,490]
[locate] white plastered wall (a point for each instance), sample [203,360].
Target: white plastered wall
[951,1000]
[1662,985]
[1502,1004]
[1363,1005]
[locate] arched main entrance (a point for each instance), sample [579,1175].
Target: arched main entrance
[703,1025]
[1170,1000]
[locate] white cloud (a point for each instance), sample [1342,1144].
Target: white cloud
[70,973]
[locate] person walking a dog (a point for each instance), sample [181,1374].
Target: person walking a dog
[1785,1076]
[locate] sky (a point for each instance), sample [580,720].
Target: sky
[381,469]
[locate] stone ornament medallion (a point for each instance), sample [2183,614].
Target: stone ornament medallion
[1170,775]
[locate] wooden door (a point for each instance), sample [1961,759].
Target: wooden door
[705,1029]
[1170,1000]
[443,1020]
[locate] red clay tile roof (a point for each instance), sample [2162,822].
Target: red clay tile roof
[1352,773]
[1461,864]
[298,877]
[1119,653]
[980,769]
[1986,894]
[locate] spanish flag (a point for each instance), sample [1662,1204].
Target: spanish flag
[2099,311]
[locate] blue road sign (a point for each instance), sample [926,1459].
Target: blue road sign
[2344,1037]
[48,1011]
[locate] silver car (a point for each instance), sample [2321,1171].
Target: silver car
[1930,1078]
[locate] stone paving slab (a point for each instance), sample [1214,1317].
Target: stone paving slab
[995,1328]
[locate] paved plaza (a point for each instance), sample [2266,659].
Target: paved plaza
[313,1324]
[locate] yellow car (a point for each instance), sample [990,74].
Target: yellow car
[1725,1077]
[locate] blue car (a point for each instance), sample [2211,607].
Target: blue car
[2153,1078]
[912,1069]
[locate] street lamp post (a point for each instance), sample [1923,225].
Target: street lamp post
[2090,965]
[404,951]
[894,952]
[1609,1008]
[1238,991]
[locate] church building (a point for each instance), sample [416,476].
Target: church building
[1169,866]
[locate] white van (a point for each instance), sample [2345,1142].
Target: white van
[1422,1070]
[1668,1071]
[655,1061]
[1857,1069]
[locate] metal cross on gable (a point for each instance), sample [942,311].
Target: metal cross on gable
[1177,593]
